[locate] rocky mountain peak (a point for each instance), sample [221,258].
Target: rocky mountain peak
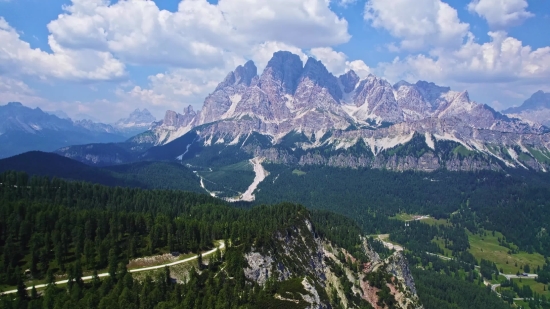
[176,120]
[282,71]
[400,84]
[349,80]
[245,74]
[431,91]
[242,75]
[189,111]
[137,119]
[316,72]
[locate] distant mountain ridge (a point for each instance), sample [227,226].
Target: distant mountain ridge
[308,116]
[535,109]
[23,129]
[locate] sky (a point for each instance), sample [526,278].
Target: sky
[103,59]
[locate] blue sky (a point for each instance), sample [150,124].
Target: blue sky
[106,58]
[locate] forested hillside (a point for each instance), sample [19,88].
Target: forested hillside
[515,204]
[50,228]
[147,175]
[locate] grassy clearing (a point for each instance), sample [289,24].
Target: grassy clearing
[488,248]
[433,221]
[298,172]
[535,286]
[403,217]
[461,150]
[441,245]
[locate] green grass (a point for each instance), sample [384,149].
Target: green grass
[535,286]
[441,243]
[403,217]
[433,221]
[524,157]
[298,172]
[463,151]
[539,155]
[488,248]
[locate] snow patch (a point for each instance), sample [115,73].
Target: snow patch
[235,99]
[378,145]
[515,156]
[208,142]
[289,102]
[36,127]
[235,141]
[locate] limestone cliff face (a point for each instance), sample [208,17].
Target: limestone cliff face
[328,274]
[335,115]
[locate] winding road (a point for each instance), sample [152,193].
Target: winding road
[86,278]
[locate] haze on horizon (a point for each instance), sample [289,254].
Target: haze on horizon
[106,58]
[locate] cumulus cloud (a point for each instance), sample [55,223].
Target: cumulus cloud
[196,45]
[420,24]
[501,14]
[18,58]
[502,69]
[337,62]
[503,59]
[198,34]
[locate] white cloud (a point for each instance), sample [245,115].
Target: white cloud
[501,14]
[176,88]
[198,34]
[18,58]
[345,3]
[420,24]
[360,67]
[93,40]
[13,90]
[501,70]
[337,63]
[502,59]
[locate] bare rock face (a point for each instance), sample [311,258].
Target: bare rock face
[281,74]
[173,119]
[337,114]
[349,81]
[375,99]
[316,263]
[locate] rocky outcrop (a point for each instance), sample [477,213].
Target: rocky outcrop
[349,81]
[323,269]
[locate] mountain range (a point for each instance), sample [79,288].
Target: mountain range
[304,115]
[24,129]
